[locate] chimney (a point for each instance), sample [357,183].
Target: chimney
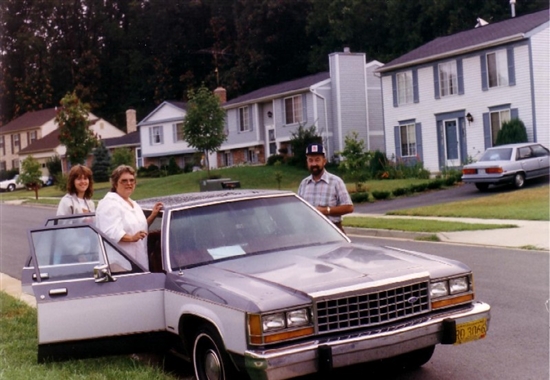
[346,49]
[513,6]
[221,93]
[131,124]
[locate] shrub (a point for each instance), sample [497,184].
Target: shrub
[381,194]
[377,164]
[361,197]
[449,181]
[435,184]
[512,131]
[275,158]
[418,188]
[173,167]
[400,191]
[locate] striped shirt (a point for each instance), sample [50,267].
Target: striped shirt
[329,191]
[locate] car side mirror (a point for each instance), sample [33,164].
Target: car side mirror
[103,274]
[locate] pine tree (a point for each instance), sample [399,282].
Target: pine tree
[101,164]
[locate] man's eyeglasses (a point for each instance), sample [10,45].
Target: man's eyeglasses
[127,181]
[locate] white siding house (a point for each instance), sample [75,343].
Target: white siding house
[161,138]
[445,101]
[338,102]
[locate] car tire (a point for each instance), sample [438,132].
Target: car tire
[11,187]
[519,180]
[210,360]
[482,186]
[415,359]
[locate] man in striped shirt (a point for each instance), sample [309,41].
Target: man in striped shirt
[327,192]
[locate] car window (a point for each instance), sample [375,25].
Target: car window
[73,251]
[539,151]
[524,153]
[232,229]
[503,154]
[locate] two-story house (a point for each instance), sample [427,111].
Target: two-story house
[445,101]
[345,99]
[161,136]
[37,134]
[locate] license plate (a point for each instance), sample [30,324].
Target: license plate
[469,331]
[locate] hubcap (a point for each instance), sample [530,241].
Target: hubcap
[212,366]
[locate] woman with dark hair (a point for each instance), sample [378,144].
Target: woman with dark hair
[122,219]
[80,189]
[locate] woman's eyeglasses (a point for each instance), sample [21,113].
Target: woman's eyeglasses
[127,181]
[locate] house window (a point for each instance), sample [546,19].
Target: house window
[497,69]
[31,137]
[293,110]
[16,143]
[3,167]
[178,132]
[252,156]
[227,159]
[156,135]
[405,87]
[15,164]
[2,146]
[408,140]
[243,119]
[497,119]
[448,79]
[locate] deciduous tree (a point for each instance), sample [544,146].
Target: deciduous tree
[30,174]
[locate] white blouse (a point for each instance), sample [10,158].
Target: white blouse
[70,204]
[116,218]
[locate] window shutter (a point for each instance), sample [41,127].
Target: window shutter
[150,135]
[487,130]
[418,132]
[514,114]
[250,119]
[460,74]
[394,89]
[483,66]
[175,132]
[238,120]
[511,66]
[304,108]
[461,138]
[415,86]
[440,144]
[161,134]
[436,81]
[397,140]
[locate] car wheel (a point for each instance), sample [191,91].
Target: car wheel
[11,187]
[416,358]
[482,186]
[519,180]
[210,360]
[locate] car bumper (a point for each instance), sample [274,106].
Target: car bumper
[495,180]
[311,357]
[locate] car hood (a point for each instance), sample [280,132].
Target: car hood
[272,280]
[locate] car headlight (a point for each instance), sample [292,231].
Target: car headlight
[451,291]
[276,327]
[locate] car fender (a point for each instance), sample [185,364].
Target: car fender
[228,321]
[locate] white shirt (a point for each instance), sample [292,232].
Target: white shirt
[116,218]
[71,204]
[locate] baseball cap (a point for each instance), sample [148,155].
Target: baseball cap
[315,149]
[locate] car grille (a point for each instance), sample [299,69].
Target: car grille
[371,309]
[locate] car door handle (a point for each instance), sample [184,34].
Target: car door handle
[58,292]
[43,276]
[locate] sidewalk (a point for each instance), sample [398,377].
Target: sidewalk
[528,234]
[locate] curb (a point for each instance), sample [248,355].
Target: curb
[12,287]
[387,233]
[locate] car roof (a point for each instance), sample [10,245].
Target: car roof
[515,145]
[205,197]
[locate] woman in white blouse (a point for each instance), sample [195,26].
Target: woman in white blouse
[122,219]
[80,189]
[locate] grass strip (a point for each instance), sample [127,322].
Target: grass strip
[416,225]
[525,204]
[18,345]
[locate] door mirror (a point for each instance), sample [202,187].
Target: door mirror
[102,274]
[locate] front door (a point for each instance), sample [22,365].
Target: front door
[87,289]
[452,150]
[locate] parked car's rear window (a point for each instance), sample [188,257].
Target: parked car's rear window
[232,229]
[502,154]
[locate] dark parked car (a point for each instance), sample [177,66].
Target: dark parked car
[246,284]
[508,164]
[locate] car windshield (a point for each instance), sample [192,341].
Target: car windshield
[231,229]
[502,154]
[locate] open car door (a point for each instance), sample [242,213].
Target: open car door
[92,299]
